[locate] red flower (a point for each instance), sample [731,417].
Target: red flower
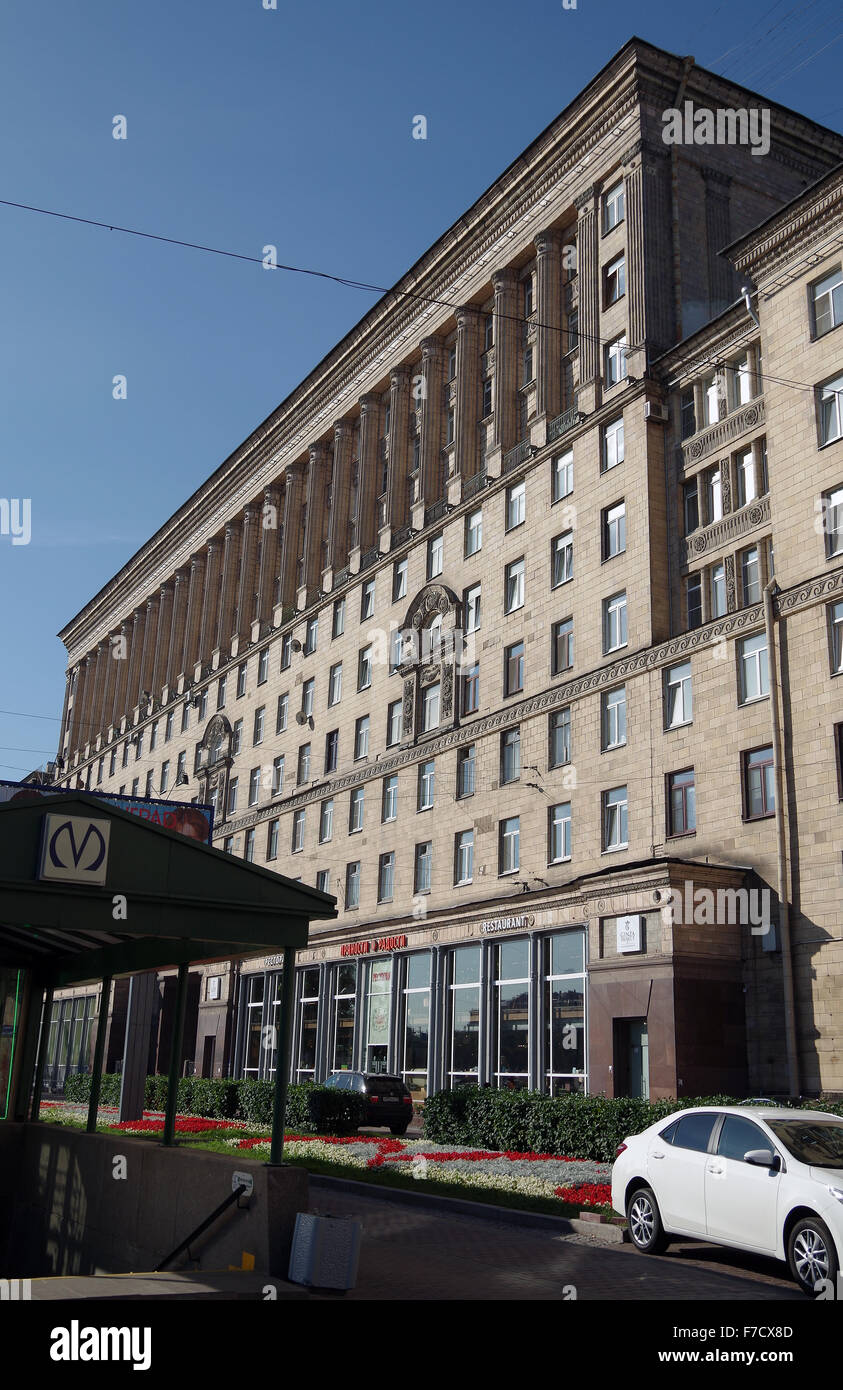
[589,1194]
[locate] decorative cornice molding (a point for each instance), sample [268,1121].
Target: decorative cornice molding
[728,528]
[748,417]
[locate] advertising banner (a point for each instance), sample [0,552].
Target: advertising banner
[194,821]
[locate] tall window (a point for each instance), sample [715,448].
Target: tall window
[559,737]
[257,728]
[751,575]
[355,810]
[464,857]
[687,414]
[514,668]
[613,206]
[562,476]
[345,1000]
[281,714]
[386,876]
[249,846]
[399,580]
[435,556]
[389,798]
[473,532]
[678,695]
[564,1038]
[615,360]
[311,636]
[713,494]
[691,501]
[835,617]
[463,1029]
[335,684]
[297,844]
[827,297]
[745,474]
[562,559]
[614,530]
[615,819]
[364,668]
[308,1021]
[562,646]
[465,771]
[272,839]
[430,707]
[237,737]
[614,280]
[717,579]
[332,748]
[681,803]
[753,671]
[326,820]
[511,1013]
[471,608]
[278,775]
[509,845]
[423,867]
[241,680]
[367,600]
[510,755]
[254,786]
[471,689]
[693,599]
[221,684]
[361,737]
[393,723]
[165,776]
[415,1023]
[263,665]
[286,650]
[831,410]
[338,618]
[303,774]
[516,505]
[559,833]
[759,783]
[832,509]
[613,445]
[352,884]
[614,622]
[514,586]
[613,720]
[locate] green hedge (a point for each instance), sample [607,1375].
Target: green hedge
[310,1108]
[577,1126]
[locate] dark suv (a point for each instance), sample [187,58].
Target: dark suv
[388,1100]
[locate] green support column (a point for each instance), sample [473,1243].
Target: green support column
[99,1050]
[47,1009]
[175,1058]
[282,1056]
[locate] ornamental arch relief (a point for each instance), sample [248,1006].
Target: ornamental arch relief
[431,654]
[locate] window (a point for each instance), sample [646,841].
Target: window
[286,650]
[827,297]
[465,771]
[323,880]
[614,622]
[185,716]
[753,673]
[386,877]
[835,617]
[361,737]
[614,366]
[352,884]
[303,769]
[423,867]
[613,717]
[559,737]
[615,815]
[485,397]
[249,846]
[516,505]
[254,786]
[745,475]
[367,600]
[135,783]
[713,494]
[759,783]
[148,787]
[278,775]
[393,724]
[272,839]
[613,445]
[257,731]
[562,559]
[691,502]
[297,844]
[832,511]
[514,669]
[335,684]
[395,649]
[488,332]
[711,399]
[232,796]
[389,798]
[510,755]
[613,206]
[514,586]
[681,803]
[693,599]
[430,707]
[509,845]
[426,780]
[364,668]
[165,776]
[471,689]
[831,410]
[221,684]
[678,695]
[326,820]
[139,746]
[332,743]
[241,680]
[281,713]
[527,364]
[751,575]
[168,733]
[399,580]
[112,762]
[125,759]
[471,608]
[559,833]
[450,425]
[181,774]
[473,532]
[717,584]
[237,737]
[614,530]
[435,556]
[153,738]
[687,414]
[338,621]
[614,281]
[463,857]
[311,636]
[263,665]
[562,476]
[462,1034]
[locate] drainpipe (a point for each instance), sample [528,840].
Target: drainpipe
[770,588]
[687,65]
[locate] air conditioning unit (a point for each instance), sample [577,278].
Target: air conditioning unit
[657,411]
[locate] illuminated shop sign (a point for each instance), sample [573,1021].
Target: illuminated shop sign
[526,919]
[379,943]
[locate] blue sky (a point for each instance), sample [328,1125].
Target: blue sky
[248,126]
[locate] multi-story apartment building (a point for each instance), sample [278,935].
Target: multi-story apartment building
[473,632]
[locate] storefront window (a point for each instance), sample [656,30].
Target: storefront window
[463,1041]
[344,1009]
[379,1002]
[68,1040]
[564,1040]
[308,1024]
[254,1025]
[511,1016]
[415,1028]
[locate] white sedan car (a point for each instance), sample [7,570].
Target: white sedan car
[757,1178]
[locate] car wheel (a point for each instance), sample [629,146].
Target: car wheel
[399,1129]
[811,1254]
[645,1224]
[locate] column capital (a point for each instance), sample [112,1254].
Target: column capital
[343,428]
[399,376]
[547,241]
[505,279]
[316,452]
[370,402]
[250,513]
[584,202]
[431,347]
[468,313]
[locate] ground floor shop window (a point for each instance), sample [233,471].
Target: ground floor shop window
[308,1024]
[511,1016]
[378,1013]
[564,1034]
[345,1000]
[463,1036]
[414,1040]
[69,1040]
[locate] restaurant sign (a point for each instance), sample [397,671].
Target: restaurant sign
[379,943]
[519,923]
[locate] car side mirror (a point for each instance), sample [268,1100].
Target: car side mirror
[761,1158]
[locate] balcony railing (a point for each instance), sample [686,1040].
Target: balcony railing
[400,536]
[515,456]
[432,514]
[568,420]
[471,486]
[341,577]
[369,558]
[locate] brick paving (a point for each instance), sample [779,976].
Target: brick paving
[410,1253]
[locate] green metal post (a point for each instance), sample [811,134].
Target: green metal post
[175,1057]
[99,1051]
[43,1042]
[282,1056]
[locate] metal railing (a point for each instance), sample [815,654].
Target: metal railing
[433,513]
[568,420]
[513,457]
[209,1221]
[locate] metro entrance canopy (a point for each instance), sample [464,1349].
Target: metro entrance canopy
[89,892]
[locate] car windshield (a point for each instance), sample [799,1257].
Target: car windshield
[811,1141]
